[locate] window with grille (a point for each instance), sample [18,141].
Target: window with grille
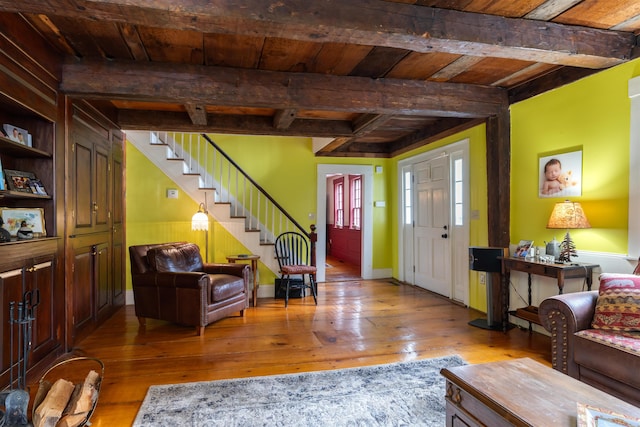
[356,201]
[338,202]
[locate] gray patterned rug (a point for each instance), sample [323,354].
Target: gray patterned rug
[398,394]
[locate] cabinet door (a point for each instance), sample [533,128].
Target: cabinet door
[83,291]
[41,280]
[102,266]
[90,179]
[83,184]
[11,291]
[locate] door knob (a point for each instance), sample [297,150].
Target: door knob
[445,235]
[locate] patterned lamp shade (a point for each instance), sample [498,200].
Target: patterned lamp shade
[568,215]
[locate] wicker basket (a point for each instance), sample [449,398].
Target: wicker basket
[74,370]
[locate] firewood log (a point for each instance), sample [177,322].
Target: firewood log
[81,402]
[50,410]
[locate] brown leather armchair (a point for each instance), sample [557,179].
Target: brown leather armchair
[171,282]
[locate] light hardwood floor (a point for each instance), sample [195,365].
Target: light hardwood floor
[355,323]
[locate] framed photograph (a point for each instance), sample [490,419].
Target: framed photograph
[32,218]
[523,248]
[19,180]
[560,174]
[16,134]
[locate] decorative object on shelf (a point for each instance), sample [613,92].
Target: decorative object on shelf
[523,248]
[5,236]
[19,180]
[16,134]
[1,177]
[24,232]
[37,187]
[200,222]
[33,217]
[569,216]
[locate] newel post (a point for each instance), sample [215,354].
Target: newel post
[313,238]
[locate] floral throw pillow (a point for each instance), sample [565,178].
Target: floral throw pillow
[618,305]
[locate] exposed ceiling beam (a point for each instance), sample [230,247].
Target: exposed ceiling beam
[365,22]
[233,124]
[179,83]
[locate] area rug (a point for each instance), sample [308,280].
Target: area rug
[398,394]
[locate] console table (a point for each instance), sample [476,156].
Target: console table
[521,392]
[560,272]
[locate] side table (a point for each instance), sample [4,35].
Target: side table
[254,269]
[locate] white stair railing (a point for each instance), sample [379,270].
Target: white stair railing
[231,185]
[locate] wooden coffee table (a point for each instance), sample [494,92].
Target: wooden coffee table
[521,392]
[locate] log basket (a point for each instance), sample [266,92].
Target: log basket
[74,370]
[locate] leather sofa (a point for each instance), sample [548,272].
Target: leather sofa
[608,360]
[171,282]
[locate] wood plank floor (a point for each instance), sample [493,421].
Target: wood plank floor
[355,323]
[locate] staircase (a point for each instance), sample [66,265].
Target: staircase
[198,166]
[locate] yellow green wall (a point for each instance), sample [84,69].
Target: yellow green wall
[284,167]
[592,114]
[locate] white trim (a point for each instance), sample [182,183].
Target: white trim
[367,216]
[634,169]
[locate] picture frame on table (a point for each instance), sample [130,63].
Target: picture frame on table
[16,134]
[523,248]
[19,180]
[32,217]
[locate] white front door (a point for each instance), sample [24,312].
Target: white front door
[431,249]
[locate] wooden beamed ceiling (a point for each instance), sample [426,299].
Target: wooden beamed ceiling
[380,77]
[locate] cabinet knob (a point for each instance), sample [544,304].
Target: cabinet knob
[95,207]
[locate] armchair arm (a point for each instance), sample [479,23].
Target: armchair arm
[228,268]
[563,316]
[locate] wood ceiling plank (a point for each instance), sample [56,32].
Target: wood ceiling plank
[338,58]
[164,82]
[510,8]
[420,66]
[132,39]
[600,14]
[489,70]
[525,74]
[403,26]
[550,9]
[279,54]
[185,46]
[232,50]
[379,62]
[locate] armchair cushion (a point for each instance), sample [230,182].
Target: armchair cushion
[618,304]
[173,259]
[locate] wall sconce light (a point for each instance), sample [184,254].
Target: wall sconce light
[200,222]
[570,216]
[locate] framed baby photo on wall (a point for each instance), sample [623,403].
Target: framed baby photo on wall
[560,174]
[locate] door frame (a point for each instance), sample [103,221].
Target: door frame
[366,257]
[457,266]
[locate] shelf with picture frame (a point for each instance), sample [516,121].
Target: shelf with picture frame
[35,161]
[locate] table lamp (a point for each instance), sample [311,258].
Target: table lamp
[568,215]
[200,222]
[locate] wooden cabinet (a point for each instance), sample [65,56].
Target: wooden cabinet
[96,240]
[30,267]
